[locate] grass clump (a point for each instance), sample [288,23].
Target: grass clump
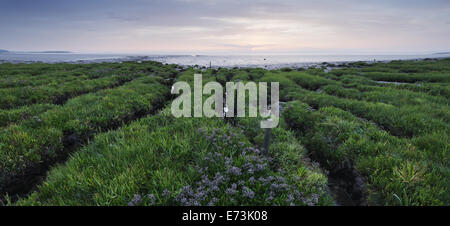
[39,140]
[161,160]
[397,172]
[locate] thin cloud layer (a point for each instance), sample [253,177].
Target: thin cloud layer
[226,26]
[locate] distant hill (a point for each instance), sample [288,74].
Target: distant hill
[6,51]
[53,52]
[43,52]
[443,53]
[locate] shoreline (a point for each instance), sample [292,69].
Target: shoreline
[269,66]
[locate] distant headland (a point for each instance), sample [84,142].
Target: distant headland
[51,51]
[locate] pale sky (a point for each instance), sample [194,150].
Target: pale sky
[226,26]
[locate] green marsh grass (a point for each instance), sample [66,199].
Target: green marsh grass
[392,135]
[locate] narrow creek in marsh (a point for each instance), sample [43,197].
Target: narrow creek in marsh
[347,186]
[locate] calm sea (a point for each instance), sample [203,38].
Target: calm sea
[268,61]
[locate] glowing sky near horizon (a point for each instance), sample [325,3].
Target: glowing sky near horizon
[226,26]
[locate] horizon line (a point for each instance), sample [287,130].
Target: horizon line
[212,52]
